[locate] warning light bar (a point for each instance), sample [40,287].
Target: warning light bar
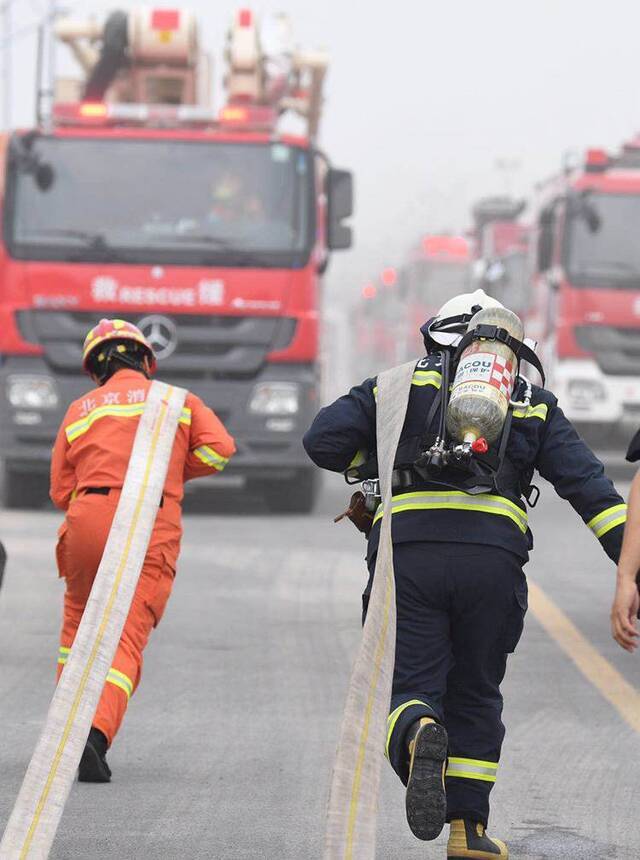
[446,248]
[245,18]
[597,161]
[99,113]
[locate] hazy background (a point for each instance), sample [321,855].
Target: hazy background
[424,97]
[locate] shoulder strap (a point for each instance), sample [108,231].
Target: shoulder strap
[522,350]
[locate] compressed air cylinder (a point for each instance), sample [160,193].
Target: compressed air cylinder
[484,381]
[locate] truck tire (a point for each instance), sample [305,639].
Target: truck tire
[295,496]
[22,489]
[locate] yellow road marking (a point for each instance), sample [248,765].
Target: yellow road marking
[99,637]
[595,668]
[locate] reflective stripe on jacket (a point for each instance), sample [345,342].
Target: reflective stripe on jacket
[541,438]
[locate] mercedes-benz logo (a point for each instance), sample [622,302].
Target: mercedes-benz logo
[161,333]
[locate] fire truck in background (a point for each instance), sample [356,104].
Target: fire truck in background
[587,291]
[210,232]
[501,267]
[437,268]
[377,321]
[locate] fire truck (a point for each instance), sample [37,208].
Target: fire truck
[501,265]
[437,268]
[587,291]
[210,231]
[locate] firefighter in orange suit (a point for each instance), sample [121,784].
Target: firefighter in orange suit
[88,468]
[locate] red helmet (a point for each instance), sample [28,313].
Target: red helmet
[120,330]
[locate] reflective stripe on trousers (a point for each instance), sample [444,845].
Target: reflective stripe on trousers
[457,500]
[471,768]
[114,676]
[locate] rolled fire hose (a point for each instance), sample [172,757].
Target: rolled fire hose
[42,797]
[353,799]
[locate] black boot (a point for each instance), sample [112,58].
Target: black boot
[426,803]
[93,764]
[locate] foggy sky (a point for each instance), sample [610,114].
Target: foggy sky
[424,96]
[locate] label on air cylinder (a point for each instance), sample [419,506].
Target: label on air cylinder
[485,374]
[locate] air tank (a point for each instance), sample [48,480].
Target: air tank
[484,381]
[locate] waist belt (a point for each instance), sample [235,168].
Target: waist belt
[104,491]
[403,479]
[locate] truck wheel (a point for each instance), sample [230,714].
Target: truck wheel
[295,496]
[22,489]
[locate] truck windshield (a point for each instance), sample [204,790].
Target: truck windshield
[159,201]
[602,244]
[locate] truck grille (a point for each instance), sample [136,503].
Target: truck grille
[616,350]
[206,347]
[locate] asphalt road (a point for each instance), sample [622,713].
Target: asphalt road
[228,745]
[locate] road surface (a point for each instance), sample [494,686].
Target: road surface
[228,745]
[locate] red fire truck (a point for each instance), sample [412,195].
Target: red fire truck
[588,291]
[437,268]
[502,250]
[210,232]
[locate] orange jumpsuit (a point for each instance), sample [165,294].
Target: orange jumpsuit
[92,450]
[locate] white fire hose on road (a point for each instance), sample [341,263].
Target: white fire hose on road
[353,800]
[40,804]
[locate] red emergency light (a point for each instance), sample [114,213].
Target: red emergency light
[248,116]
[389,277]
[245,18]
[93,110]
[596,161]
[165,19]
[369,291]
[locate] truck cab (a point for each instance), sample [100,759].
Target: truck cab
[209,231]
[587,288]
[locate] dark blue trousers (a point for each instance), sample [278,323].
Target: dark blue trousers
[460,611]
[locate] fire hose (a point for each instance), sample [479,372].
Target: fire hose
[36,815]
[353,799]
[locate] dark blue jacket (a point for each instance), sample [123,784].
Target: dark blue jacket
[541,438]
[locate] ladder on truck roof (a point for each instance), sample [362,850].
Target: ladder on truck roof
[283,78]
[151,56]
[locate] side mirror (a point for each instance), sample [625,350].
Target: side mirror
[339,206]
[44,176]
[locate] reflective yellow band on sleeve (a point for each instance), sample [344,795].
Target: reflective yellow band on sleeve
[540,411]
[471,768]
[63,655]
[607,520]
[421,378]
[210,457]
[114,410]
[185,416]
[359,458]
[393,717]
[119,679]
[454,500]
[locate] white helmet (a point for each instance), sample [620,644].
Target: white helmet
[453,318]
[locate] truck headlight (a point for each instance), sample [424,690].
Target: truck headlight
[275,398]
[585,391]
[32,392]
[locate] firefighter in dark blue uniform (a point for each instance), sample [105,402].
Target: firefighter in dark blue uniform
[461,590]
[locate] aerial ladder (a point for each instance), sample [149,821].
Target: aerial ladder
[153,57]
